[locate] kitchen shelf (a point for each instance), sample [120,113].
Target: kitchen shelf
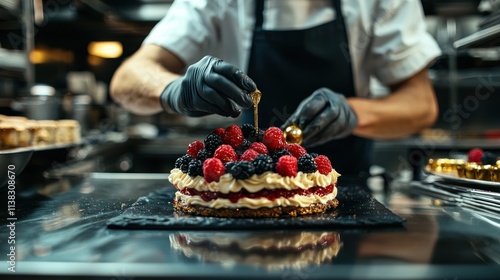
[13,60]
[14,63]
[10,9]
[488,37]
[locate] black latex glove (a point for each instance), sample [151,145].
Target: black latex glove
[210,86]
[323,116]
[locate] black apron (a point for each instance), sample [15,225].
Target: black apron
[290,65]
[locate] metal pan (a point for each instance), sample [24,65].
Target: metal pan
[14,160]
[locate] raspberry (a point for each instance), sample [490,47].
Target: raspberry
[489,158]
[219,131]
[249,155]
[225,153]
[213,168]
[287,166]
[263,163]
[195,168]
[194,148]
[274,139]
[475,155]
[279,153]
[182,163]
[323,164]
[296,150]
[212,142]
[248,130]
[307,164]
[259,147]
[242,170]
[233,136]
[203,154]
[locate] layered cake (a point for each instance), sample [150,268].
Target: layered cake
[242,172]
[276,250]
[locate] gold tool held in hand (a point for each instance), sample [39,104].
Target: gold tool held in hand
[256,95]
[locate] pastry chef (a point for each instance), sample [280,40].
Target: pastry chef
[317,64]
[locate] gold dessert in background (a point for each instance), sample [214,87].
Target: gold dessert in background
[445,164]
[18,132]
[464,169]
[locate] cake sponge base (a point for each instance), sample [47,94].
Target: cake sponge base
[273,212]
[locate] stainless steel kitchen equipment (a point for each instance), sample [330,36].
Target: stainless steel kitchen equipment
[41,104]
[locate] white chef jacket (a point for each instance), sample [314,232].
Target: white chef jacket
[388,40]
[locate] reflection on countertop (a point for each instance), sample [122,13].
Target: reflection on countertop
[271,250]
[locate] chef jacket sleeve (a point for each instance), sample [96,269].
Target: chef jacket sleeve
[189,29]
[401,45]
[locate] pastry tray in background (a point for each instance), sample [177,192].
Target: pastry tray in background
[453,178]
[446,172]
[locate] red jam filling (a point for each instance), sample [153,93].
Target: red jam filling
[269,194]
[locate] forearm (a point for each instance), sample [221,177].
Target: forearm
[411,107]
[138,83]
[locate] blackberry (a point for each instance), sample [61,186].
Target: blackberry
[256,137]
[248,130]
[259,136]
[279,153]
[306,164]
[212,142]
[314,155]
[229,165]
[250,134]
[203,154]
[245,145]
[239,153]
[182,163]
[195,168]
[489,158]
[242,170]
[263,163]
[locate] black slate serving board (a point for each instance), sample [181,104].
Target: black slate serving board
[357,209]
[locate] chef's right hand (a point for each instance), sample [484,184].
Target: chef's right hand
[210,86]
[323,116]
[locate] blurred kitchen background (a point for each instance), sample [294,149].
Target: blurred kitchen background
[57,58]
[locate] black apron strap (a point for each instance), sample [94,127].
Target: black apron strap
[338,12]
[259,13]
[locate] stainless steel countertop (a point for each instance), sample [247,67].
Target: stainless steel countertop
[61,232]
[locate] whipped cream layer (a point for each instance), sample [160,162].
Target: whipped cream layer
[267,180]
[256,203]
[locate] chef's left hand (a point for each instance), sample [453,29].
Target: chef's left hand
[323,116]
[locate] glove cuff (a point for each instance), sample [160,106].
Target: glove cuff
[351,118]
[352,121]
[167,98]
